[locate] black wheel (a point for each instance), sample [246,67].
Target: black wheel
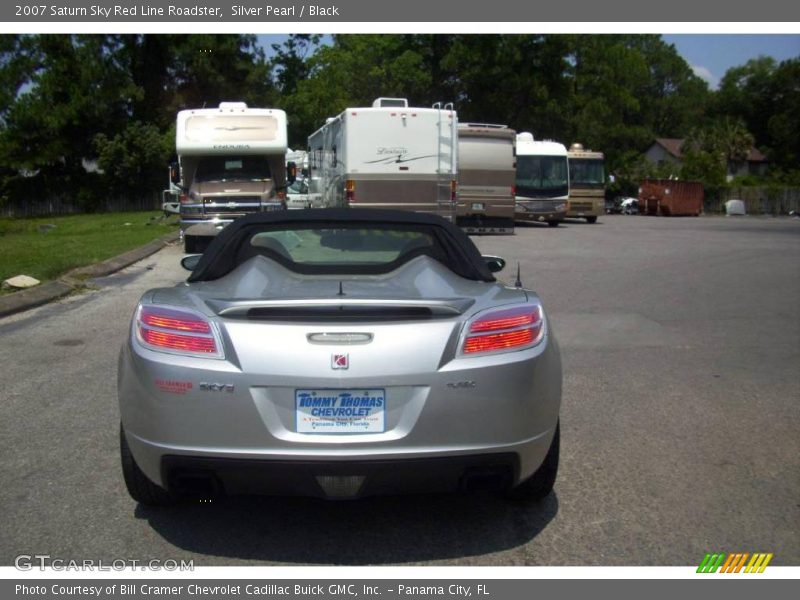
[139,486]
[553,223]
[540,484]
[591,219]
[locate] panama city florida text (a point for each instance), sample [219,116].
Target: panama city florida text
[268,589]
[298,11]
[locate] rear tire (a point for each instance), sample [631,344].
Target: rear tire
[139,486]
[591,220]
[540,484]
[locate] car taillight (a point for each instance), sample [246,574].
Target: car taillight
[184,199]
[453,190]
[505,329]
[177,331]
[350,190]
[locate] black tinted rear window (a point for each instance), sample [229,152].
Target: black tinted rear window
[340,249]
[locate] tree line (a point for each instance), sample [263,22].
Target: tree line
[88,116]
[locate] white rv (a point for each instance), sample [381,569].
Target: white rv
[231,162]
[486,177]
[542,191]
[388,155]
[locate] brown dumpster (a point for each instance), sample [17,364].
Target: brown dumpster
[670,198]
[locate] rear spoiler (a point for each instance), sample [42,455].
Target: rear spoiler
[340,307]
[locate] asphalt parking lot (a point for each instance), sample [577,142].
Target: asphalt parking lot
[680,420]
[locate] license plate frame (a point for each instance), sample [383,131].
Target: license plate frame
[340,411]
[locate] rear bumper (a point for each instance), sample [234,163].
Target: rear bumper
[209,216]
[326,479]
[540,211]
[388,470]
[486,225]
[577,210]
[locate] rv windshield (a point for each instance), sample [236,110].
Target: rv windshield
[233,168]
[542,176]
[586,172]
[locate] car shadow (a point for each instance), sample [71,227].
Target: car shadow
[578,221]
[382,530]
[539,225]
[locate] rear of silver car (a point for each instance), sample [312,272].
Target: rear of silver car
[339,407]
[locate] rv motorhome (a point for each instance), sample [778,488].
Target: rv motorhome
[171,197]
[587,184]
[542,180]
[231,162]
[486,177]
[388,155]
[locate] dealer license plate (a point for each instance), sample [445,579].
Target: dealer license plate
[340,411]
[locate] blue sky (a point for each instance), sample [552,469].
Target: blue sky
[710,55]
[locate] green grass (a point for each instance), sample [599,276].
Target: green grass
[76,241]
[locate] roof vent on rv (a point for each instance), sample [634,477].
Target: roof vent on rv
[390,103]
[576,147]
[232,105]
[525,136]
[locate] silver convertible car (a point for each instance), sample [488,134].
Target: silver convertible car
[339,353]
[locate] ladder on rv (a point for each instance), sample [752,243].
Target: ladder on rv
[446,167]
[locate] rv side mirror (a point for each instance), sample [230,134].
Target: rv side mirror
[291,173]
[174,173]
[495,264]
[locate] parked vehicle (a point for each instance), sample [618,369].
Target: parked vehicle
[614,207]
[339,353]
[542,189]
[629,206]
[303,194]
[231,162]
[486,176]
[170,197]
[587,183]
[300,159]
[388,155]
[297,195]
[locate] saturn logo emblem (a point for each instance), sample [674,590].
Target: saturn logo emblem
[340,361]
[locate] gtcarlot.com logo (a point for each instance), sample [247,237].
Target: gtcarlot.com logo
[737,562]
[28,562]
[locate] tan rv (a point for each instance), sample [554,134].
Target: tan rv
[587,184]
[231,162]
[486,177]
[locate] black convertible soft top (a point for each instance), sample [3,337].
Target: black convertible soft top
[458,253]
